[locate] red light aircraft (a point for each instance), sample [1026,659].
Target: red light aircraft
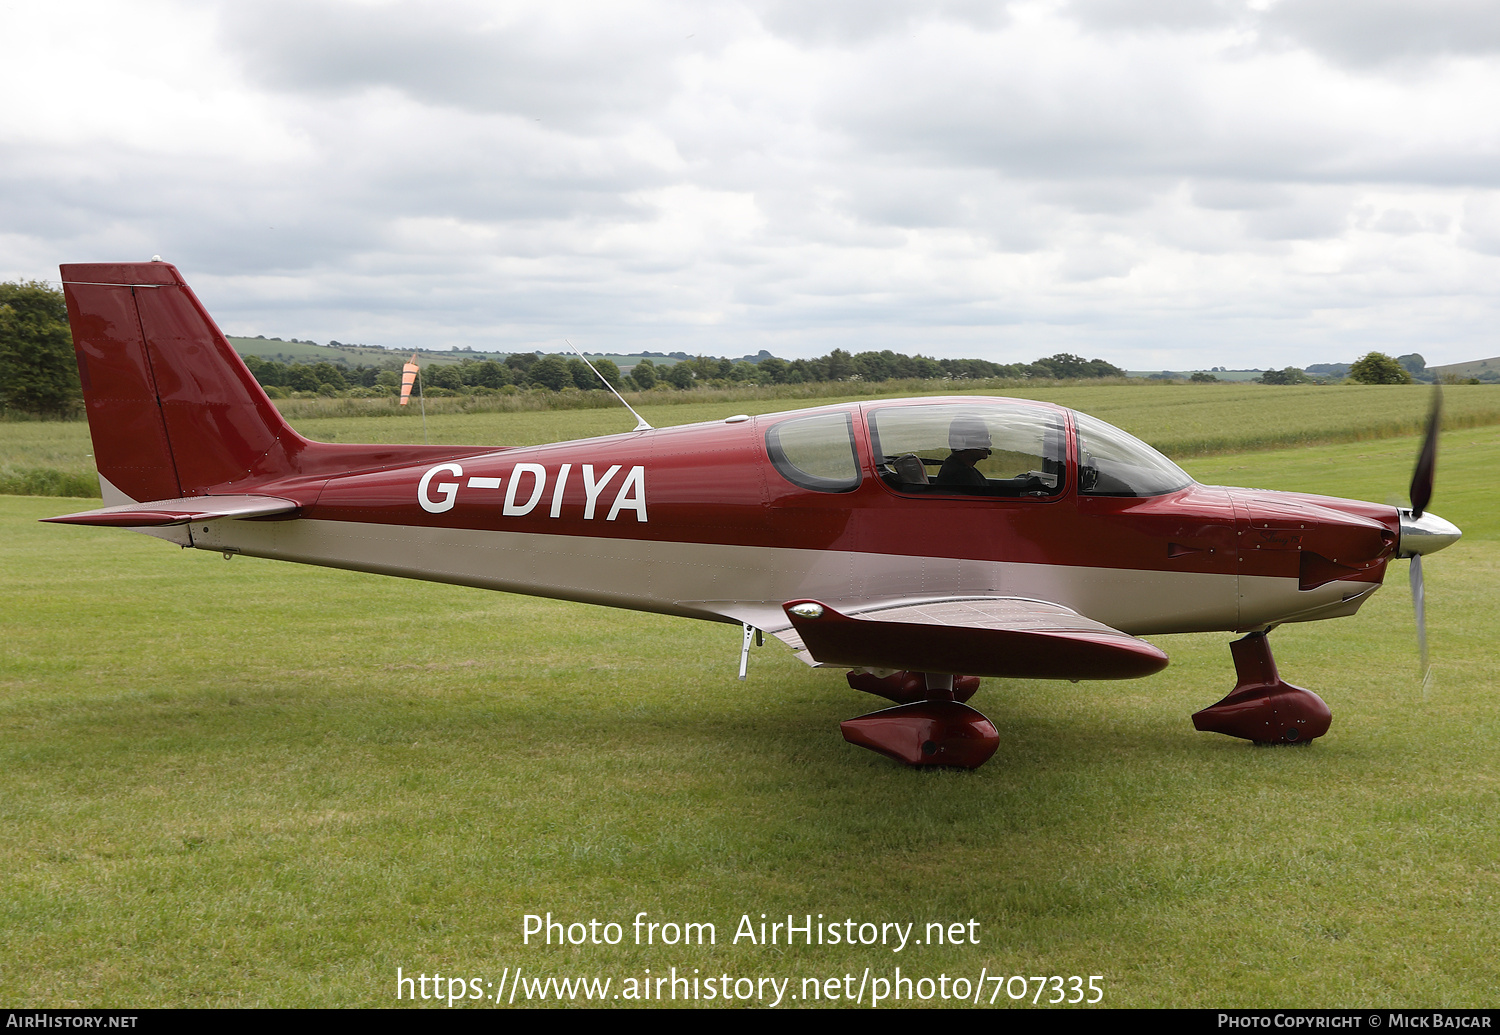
[920,543]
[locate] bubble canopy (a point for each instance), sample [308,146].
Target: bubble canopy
[972,447]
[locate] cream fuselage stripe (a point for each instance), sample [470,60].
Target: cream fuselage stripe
[749,583]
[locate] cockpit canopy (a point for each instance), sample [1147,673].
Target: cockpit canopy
[969,449]
[972,447]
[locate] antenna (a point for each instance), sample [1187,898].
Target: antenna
[641,424]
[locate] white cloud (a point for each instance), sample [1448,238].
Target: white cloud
[1158,182]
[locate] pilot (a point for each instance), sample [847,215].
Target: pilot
[969,438]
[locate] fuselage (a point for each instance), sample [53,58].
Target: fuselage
[728,520]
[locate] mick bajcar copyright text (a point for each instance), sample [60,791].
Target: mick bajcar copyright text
[1371,1020]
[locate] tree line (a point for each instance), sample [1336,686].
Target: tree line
[38,373]
[529,370]
[1374,368]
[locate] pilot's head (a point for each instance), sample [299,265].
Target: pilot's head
[968,432]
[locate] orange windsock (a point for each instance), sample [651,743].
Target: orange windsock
[408,376]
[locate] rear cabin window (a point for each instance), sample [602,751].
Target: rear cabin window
[957,449]
[816,452]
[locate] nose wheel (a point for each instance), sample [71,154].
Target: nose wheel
[1263,707]
[937,730]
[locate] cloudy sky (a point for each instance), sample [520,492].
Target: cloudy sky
[1160,183]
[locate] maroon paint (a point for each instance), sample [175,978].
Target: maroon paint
[906,687]
[838,639]
[927,733]
[1298,535]
[125,423]
[1263,707]
[713,483]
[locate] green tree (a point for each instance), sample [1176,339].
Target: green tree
[1066,366]
[645,374]
[1287,376]
[1376,368]
[608,370]
[550,372]
[840,366]
[771,370]
[583,378]
[300,378]
[1413,362]
[38,371]
[443,375]
[328,374]
[484,374]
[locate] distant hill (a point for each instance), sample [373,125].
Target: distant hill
[1473,368]
[345,355]
[310,352]
[1183,375]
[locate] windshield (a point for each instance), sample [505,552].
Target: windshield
[1113,463]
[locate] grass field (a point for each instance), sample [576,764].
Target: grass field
[257,784]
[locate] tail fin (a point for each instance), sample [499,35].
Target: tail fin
[172,409]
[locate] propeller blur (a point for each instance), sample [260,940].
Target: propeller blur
[920,543]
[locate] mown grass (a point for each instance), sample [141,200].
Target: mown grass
[257,784]
[1181,420]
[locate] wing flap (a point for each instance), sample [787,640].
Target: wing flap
[179,511]
[980,636]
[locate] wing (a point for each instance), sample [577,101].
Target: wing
[180,512]
[979,636]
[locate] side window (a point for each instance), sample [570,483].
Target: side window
[979,450]
[816,452]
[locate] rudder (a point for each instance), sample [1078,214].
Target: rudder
[173,411]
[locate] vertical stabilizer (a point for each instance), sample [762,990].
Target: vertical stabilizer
[172,409]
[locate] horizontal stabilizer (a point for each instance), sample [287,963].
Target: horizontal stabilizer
[180,511]
[980,636]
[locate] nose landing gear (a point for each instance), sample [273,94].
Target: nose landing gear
[1262,706]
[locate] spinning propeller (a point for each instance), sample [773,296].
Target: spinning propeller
[1424,533]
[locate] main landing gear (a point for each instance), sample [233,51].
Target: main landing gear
[1263,707]
[930,725]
